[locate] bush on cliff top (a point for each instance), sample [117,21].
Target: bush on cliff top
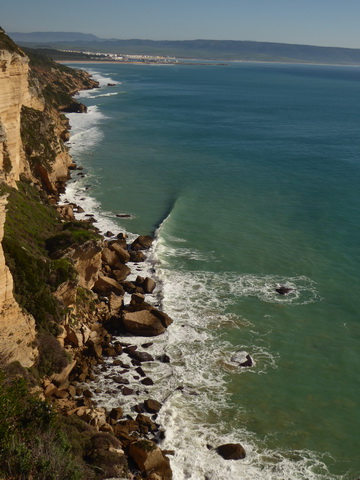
[35,441]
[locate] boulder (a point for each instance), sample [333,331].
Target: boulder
[148,458]
[242,358]
[143,242]
[143,323]
[115,303]
[106,285]
[282,290]
[66,211]
[136,256]
[148,285]
[146,425]
[231,451]
[116,413]
[152,406]
[110,258]
[141,356]
[118,247]
[74,336]
[121,272]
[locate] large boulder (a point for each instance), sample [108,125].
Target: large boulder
[148,458]
[106,285]
[118,248]
[143,323]
[231,451]
[137,304]
[110,258]
[142,243]
[121,272]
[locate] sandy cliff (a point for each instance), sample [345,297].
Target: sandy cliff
[17,328]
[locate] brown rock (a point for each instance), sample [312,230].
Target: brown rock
[146,425]
[148,285]
[143,242]
[136,256]
[148,458]
[147,381]
[141,356]
[231,451]
[127,391]
[116,413]
[143,323]
[106,285]
[121,272]
[115,303]
[152,406]
[110,258]
[118,248]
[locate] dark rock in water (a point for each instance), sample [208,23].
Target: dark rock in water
[142,242]
[243,359]
[127,391]
[147,381]
[111,84]
[283,290]
[121,380]
[140,371]
[163,358]
[141,356]
[231,451]
[109,234]
[123,215]
[152,406]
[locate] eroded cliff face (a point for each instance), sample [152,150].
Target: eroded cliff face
[32,136]
[17,328]
[14,93]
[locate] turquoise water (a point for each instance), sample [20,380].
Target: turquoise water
[252,171]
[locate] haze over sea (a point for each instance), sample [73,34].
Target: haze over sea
[249,173]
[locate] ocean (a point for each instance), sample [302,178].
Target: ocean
[248,176]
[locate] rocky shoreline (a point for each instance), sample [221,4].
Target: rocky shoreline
[66,296]
[122,364]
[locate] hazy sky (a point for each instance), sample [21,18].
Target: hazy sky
[315,22]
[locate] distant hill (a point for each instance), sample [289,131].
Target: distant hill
[201,49]
[49,37]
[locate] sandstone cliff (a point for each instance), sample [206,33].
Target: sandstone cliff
[32,135]
[17,328]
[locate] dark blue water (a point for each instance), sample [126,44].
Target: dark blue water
[252,170]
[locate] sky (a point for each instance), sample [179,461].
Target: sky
[310,22]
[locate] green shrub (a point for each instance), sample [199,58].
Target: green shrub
[33,443]
[61,270]
[52,357]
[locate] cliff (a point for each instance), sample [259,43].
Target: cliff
[32,148]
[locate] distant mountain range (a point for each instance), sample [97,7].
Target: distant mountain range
[200,49]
